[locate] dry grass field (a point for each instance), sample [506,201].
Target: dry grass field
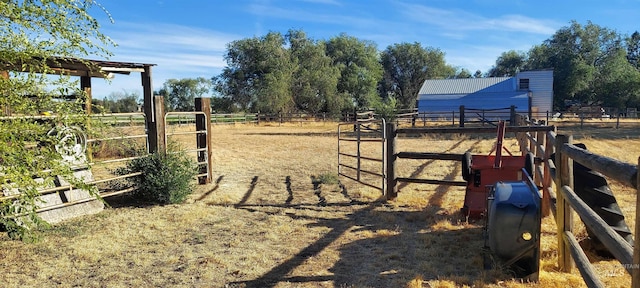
[266,221]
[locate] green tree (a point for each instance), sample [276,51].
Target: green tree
[32,32]
[478,74]
[258,74]
[508,64]
[179,94]
[117,102]
[314,79]
[617,82]
[406,66]
[463,73]
[633,49]
[360,69]
[576,53]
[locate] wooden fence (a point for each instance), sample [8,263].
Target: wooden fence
[563,201]
[554,176]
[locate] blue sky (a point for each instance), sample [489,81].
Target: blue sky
[188,38]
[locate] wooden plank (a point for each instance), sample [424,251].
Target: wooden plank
[635,274]
[427,155]
[564,218]
[432,181]
[469,130]
[159,127]
[587,271]
[391,155]
[618,247]
[612,168]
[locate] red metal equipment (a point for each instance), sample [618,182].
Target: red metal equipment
[482,172]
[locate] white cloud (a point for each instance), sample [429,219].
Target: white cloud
[301,15]
[179,52]
[460,20]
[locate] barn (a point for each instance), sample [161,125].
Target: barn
[528,91]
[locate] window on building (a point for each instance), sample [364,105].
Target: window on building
[524,84]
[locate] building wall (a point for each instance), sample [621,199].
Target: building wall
[447,95]
[541,87]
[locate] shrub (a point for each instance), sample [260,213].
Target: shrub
[166,178]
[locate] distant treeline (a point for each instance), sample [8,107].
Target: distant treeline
[278,73]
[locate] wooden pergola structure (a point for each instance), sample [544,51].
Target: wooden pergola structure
[87,69]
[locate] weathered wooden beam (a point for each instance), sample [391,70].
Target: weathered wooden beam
[583,264]
[612,168]
[432,181]
[564,218]
[427,155]
[391,157]
[635,274]
[471,130]
[619,248]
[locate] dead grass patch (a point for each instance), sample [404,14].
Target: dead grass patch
[265,223]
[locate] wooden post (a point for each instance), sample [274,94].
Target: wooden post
[85,85]
[203,140]
[159,127]
[148,109]
[546,178]
[391,187]
[540,142]
[512,116]
[461,115]
[564,176]
[357,126]
[635,273]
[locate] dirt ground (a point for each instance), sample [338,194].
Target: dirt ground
[266,221]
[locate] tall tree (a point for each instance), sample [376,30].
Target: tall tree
[180,94]
[633,49]
[576,53]
[406,66]
[463,73]
[258,74]
[508,64]
[314,79]
[618,83]
[360,69]
[32,32]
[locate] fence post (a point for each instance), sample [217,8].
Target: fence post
[391,187]
[635,273]
[512,116]
[159,127]
[541,139]
[564,176]
[203,140]
[358,150]
[461,115]
[546,177]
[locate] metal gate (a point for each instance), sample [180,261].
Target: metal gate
[361,152]
[203,149]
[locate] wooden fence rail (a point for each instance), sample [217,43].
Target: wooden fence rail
[565,201]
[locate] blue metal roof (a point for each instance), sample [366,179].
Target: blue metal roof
[467,86]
